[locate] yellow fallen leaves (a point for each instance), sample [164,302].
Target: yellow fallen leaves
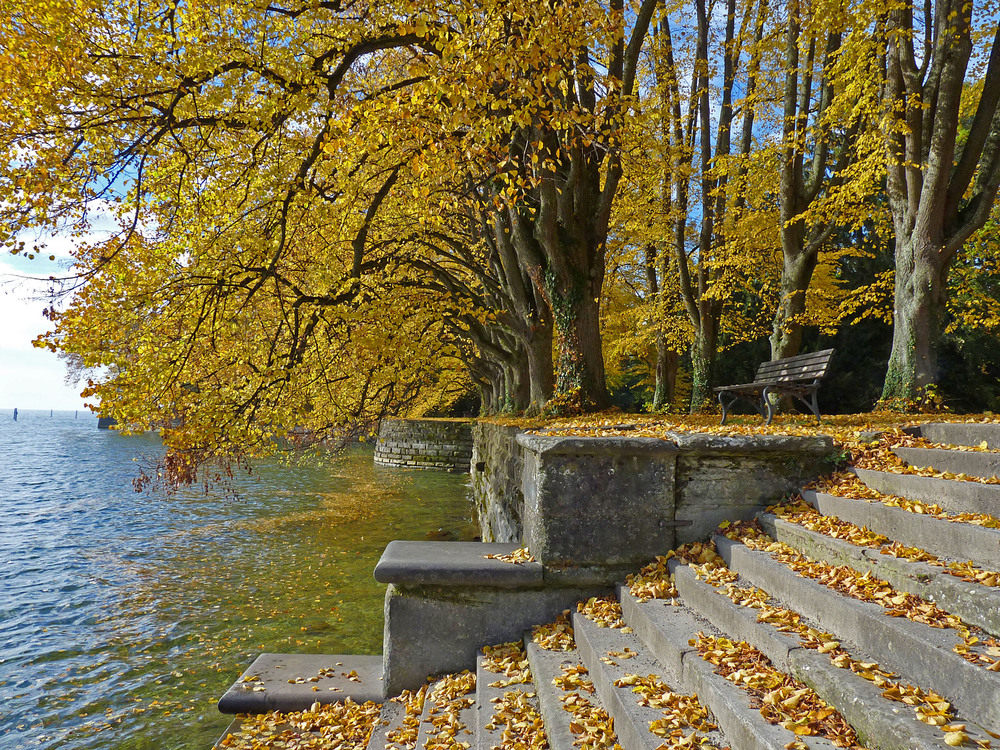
[799,512]
[844,428]
[516,557]
[346,725]
[605,611]
[653,581]
[509,660]
[405,738]
[448,698]
[679,712]
[592,727]
[867,587]
[783,700]
[514,710]
[845,484]
[522,724]
[555,636]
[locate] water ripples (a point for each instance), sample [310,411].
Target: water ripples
[123,617]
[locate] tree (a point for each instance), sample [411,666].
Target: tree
[829,155]
[294,177]
[940,189]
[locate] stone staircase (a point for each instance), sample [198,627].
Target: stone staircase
[870,620]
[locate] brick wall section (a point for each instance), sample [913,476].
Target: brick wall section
[425,443]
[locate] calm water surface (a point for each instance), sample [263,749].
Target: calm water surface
[124,616]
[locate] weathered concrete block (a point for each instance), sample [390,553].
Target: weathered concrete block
[733,477]
[597,502]
[435,629]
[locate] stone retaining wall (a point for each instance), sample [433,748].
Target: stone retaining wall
[425,443]
[582,502]
[497,462]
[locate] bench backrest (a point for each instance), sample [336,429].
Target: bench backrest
[804,368]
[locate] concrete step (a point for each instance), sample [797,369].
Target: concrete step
[952,495]
[963,433]
[449,716]
[936,535]
[293,682]
[879,722]
[921,654]
[554,701]
[665,630]
[975,603]
[971,463]
[390,720]
[621,666]
[506,697]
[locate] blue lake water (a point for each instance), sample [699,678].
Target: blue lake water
[124,616]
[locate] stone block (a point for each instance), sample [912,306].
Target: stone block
[592,502]
[434,629]
[411,563]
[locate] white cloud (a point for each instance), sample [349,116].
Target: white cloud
[30,378]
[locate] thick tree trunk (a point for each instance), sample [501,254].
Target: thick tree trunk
[580,356]
[918,314]
[703,353]
[540,368]
[665,381]
[796,271]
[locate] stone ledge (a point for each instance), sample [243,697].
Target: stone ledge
[272,672]
[454,564]
[617,446]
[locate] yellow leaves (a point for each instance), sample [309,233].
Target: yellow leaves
[784,700]
[653,581]
[605,611]
[508,659]
[517,557]
[523,727]
[346,724]
[592,726]
[679,712]
[555,636]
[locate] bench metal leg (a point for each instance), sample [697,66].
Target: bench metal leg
[766,400]
[725,407]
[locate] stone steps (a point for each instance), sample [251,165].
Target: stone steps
[976,604]
[962,433]
[878,721]
[625,671]
[971,463]
[955,496]
[936,535]
[922,653]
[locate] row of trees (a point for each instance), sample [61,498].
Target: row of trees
[332,210]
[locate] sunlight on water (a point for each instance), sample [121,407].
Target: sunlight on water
[124,617]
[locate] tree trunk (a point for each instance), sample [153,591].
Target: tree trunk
[796,271]
[580,364]
[540,368]
[918,314]
[703,353]
[665,381]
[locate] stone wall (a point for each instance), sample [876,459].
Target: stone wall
[425,443]
[496,481]
[590,505]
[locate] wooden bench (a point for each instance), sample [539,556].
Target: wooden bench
[794,376]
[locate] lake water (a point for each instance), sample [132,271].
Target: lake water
[124,616]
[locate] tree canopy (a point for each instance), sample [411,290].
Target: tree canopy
[334,211]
